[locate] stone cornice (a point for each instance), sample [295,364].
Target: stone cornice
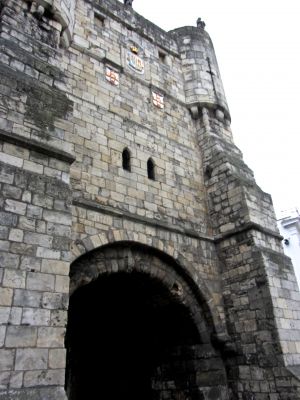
[37,146]
[246,228]
[92,205]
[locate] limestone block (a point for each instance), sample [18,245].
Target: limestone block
[62,284]
[27,298]
[15,316]
[8,219]
[27,224]
[21,336]
[34,211]
[44,378]
[11,192]
[4,379]
[3,232]
[30,263]
[59,318]
[58,230]
[35,317]
[51,337]
[55,267]
[14,278]
[16,380]
[31,359]
[6,359]
[33,167]
[9,260]
[57,358]
[15,207]
[57,217]
[55,301]
[39,281]
[6,158]
[16,235]
[47,253]
[38,239]
[6,295]
[2,335]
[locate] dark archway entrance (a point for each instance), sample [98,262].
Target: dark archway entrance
[123,330]
[139,329]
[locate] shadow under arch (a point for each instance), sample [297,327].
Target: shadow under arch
[157,297]
[199,289]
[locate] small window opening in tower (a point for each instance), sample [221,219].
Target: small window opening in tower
[151,169]
[48,14]
[98,20]
[126,160]
[162,57]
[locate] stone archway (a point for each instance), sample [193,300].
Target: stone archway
[137,331]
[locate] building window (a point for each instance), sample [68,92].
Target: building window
[162,57]
[98,20]
[151,169]
[126,160]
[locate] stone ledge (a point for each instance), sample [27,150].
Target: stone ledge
[195,108]
[247,227]
[294,370]
[92,205]
[39,147]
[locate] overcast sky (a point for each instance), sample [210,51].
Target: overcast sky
[257,44]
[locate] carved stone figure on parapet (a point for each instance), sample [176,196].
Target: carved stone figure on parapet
[128,3]
[200,23]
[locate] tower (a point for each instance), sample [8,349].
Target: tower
[139,259]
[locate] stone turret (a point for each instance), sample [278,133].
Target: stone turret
[203,84]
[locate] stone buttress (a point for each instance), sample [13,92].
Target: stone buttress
[260,292]
[35,199]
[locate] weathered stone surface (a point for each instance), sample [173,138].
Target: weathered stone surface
[31,359]
[38,281]
[51,337]
[6,359]
[50,393]
[35,317]
[21,336]
[6,295]
[27,298]
[57,358]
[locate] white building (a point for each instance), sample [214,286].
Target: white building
[289,227]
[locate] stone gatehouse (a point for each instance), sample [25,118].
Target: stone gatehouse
[138,258]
